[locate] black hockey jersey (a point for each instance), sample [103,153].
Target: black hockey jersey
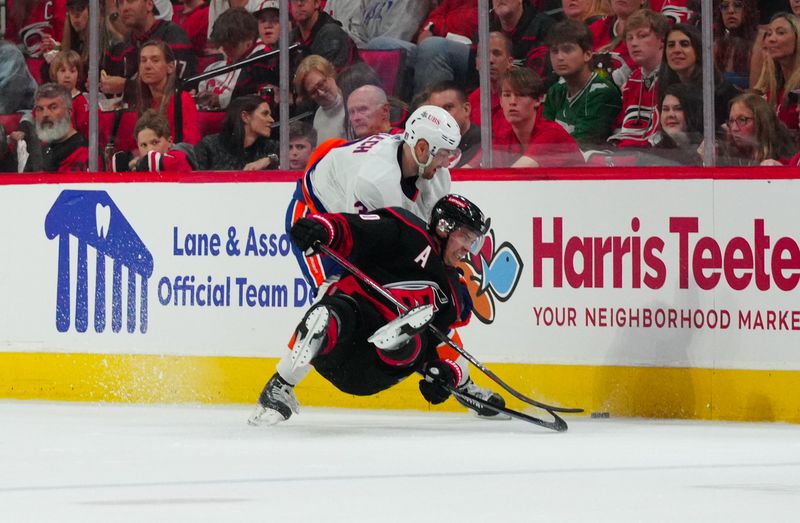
[392,246]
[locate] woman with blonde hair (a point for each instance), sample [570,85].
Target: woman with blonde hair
[586,11]
[754,134]
[315,79]
[780,74]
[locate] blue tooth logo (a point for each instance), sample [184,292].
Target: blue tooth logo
[95,220]
[502,273]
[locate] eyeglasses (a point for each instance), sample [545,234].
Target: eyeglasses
[737,6]
[740,121]
[320,87]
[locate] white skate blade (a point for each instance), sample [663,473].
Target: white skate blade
[264,417]
[403,328]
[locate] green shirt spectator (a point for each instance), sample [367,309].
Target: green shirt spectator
[585,104]
[590,114]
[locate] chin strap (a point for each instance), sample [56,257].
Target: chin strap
[421,166]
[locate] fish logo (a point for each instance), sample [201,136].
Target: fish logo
[491,275]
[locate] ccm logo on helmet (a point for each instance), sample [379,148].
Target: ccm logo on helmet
[457,201]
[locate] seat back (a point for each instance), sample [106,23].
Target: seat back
[390,64]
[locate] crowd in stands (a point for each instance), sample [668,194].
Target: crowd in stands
[572,82]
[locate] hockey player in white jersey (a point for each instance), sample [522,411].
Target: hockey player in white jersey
[408,171]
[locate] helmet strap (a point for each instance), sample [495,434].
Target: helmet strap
[421,166]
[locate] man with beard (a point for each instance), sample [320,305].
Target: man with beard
[63,148]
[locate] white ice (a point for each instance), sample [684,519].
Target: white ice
[122,463]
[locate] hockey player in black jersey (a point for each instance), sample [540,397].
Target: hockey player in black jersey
[356,339]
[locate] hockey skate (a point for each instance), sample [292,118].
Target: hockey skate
[401,329]
[485,394]
[276,403]
[277,400]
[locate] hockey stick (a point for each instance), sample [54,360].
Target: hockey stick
[558,424]
[358,273]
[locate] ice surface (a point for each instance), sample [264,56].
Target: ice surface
[65,462]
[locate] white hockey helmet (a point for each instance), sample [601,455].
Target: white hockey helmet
[434,125]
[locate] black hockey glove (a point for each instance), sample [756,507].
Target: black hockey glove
[436,374]
[307,233]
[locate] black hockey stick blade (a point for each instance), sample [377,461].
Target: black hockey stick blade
[558,424]
[444,338]
[530,401]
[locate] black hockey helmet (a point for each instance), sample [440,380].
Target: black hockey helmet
[454,211]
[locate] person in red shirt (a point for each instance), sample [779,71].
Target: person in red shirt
[30,22]
[638,124]
[193,19]
[526,139]
[155,86]
[65,69]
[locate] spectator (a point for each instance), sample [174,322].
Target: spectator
[368,111]
[66,150]
[528,140]
[677,11]
[75,36]
[346,12]
[244,142]
[17,86]
[755,134]
[610,49]
[302,140]
[451,97]
[156,150]
[217,7]
[684,57]
[583,102]
[28,23]
[780,75]
[637,123]
[193,19]
[316,79]
[236,32]
[444,44]
[677,143]
[459,17]
[735,29]
[500,61]
[586,11]
[319,34]
[269,25]
[527,28]
[390,20]
[66,68]
[121,62]
[155,87]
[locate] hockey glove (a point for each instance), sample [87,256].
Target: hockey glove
[307,233]
[437,374]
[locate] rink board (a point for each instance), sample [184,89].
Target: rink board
[655,293]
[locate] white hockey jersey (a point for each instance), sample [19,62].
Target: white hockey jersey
[365,175]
